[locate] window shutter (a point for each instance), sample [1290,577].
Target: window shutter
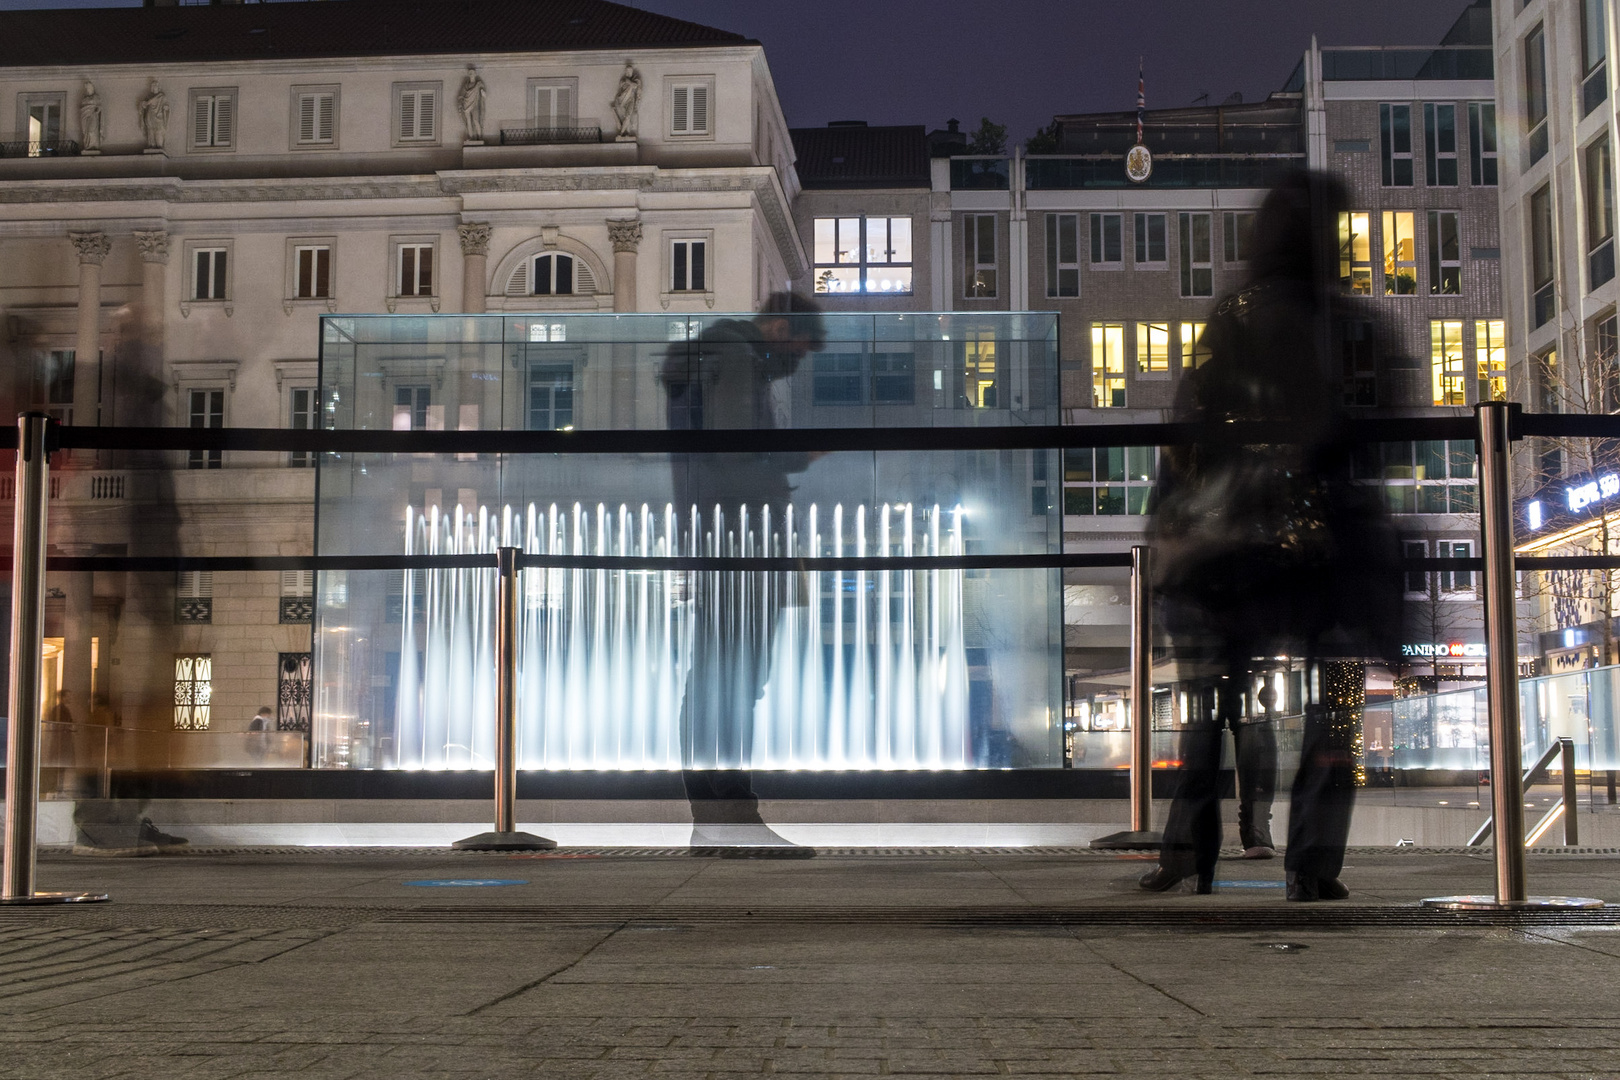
[224,129]
[306,118]
[518,284]
[323,271]
[584,280]
[564,111]
[700,109]
[407,115]
[326,118]
[202,116]
[679,122]
[424,115]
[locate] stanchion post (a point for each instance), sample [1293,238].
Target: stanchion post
[506,836]
[1502,675]
[27,634]
[1572,793]
[1140,834]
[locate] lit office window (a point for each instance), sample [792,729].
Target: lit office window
[980,377]
[1355,253]
[1153,347]
[1490,359]
[1446,361]
[1400,254]
[1194,350]
[1108,365]
[979,255]
[863,255]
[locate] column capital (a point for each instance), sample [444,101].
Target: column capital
[474,237]
[625,234]
[154,246]
[92,246]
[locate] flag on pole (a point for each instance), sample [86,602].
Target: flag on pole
[1141,99]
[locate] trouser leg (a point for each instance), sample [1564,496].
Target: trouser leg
[1256,753]
[1192,830]
[1323,794]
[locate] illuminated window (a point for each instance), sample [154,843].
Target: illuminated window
[1106,245]
[1150,239]
[1355,253]
[981,370]
[1395,126]
[1482,143]
[863,255]
[1445,254]
[1062,254]
[1446,361]
[1490,359]
[1400,254]
[193,691]
[1440,145]
[1197,259]
[1194,351]
[1108,365]
[42,122]
[1153,347]
[1238,229]
[1109,480]
[979,255]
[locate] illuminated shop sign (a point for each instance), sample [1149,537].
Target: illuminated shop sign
[1600,489]
[1442,649]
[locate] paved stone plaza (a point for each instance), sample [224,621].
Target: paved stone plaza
[327,965]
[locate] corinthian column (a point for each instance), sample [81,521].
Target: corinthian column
[92,248]
[626,238]
[154,257]
[474,254]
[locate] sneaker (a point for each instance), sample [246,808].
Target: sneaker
[112,842]
[1259,851]
[149,833]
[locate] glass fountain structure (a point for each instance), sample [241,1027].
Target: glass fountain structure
[859,669]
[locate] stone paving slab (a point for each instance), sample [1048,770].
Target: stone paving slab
[327,966]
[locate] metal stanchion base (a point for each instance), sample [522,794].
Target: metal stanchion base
[1486,902]
[504,841]
[41,898]
[1130,840]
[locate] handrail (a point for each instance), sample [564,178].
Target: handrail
[1565,748]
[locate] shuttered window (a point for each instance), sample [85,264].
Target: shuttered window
[213,119]
[418,115]
[690,107]
[317,118]
[312,272]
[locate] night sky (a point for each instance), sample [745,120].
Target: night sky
[1021,61]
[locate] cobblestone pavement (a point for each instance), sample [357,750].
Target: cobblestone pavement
[328,965]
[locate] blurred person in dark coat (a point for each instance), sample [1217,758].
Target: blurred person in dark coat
[1271,550]
[724,381]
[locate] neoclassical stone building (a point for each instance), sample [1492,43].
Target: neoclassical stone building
[186,189]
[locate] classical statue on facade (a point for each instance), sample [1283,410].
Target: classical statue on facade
[471,99]
[154,110]
[627,103]
[92,124]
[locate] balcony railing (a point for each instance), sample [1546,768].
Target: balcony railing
[523,133]
[1364,64]
[27,148]
[979,174]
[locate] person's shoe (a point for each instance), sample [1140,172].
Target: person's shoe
[1331,889]
[1161,879]
[1259,851]
[112,842]
[150,833]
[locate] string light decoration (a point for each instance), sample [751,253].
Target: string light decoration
[1344,693]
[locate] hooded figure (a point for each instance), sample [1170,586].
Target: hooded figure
[1271,550]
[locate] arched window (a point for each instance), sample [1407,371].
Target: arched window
[553,274]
